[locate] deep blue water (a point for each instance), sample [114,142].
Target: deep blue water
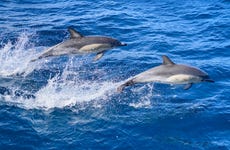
[70,102]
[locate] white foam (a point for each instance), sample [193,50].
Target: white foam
[65,89]
[145,99]
[15,58]
[61,93]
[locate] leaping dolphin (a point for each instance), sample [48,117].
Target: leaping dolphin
[169,73]
[79,44]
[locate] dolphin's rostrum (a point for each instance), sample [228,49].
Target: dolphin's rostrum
[79,44]
[169,73]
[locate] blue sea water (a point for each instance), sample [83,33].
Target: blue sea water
[70,102]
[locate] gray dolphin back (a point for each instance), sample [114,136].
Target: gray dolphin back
[79,44]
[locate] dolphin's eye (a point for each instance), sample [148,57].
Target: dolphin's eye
[116,43]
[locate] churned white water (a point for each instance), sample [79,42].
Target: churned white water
[64,89]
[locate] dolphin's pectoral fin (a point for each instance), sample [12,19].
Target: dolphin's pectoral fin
[98,56]
[187,86]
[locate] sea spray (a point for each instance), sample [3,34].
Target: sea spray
[67,89]
[15,56]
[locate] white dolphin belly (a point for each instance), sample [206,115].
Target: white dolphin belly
[183,79]
[144,79]
[173,79]
[94,48]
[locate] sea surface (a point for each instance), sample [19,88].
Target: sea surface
[71,102]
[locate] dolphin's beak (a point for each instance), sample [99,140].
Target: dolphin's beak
[209,80]
[123,44]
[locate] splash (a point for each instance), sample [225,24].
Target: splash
[15,58]
[61,93]
[66,89]
[145,100]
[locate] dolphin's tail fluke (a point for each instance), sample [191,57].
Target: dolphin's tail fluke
[40,57]
[33,60]
[121,87]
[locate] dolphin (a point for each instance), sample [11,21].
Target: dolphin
[79,44]
[169,73]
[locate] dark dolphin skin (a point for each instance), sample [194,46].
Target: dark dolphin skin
[169,73]
[79,44]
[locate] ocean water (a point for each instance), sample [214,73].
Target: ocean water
[70,102]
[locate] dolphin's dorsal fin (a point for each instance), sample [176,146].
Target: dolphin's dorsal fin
[167,61]
[74,33]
